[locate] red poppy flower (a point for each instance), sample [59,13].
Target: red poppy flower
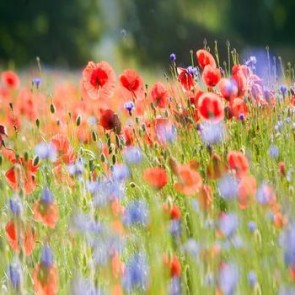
[10,79]
[45,279]
[131,81]
[156,177]
[194,97]
[211,107]
[64,148]
[190,181]
[175,267]
[241,81]
[98,80]
[159,95]
[185,78]
[175,213]
[46,213]
[25,234]
[110,121]
[205,58]
[24,173]
[238,108]
[128,135]
[228,88]
[205,197]
[238,162]
[211,76]
[247,189]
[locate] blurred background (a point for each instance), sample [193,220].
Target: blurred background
[139,33]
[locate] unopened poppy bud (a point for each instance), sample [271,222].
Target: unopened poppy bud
[102,158]
[52,108]
[114,159]
[11,106]
[132,184]
[26,156]
[78,120]
[36,161]
[1,160]
[282,168]
[94,136]
[37,123]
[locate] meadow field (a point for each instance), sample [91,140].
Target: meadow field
[182,186]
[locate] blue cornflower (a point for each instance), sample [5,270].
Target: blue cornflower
[129,106]
[252,226]
[287,242]
[252,278]
[85,224]
[228,224]
[228,187]
[46,151]
[172,57]
[175,286]
[105,192]
[192,70]
[132,155]
[273,151]
[212,132]
[47,256]
[136,273]
[191,247]
[47,196]
[81,286]
[228,279]
[283,90]
[15,275]
[136,213]
[120,173]
[76,168]
[36,82]
[175,227]
[15,205]
[166,133]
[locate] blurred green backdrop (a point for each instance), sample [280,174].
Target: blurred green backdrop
[68,33]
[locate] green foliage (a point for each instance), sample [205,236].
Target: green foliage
[60,32]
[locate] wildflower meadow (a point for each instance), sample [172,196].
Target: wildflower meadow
[184,185]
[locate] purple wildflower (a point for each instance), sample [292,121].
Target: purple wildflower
[166,133]
[228,279]
[287,242]
[228,187]
[46,151]
[252,226]
[252,278]
[132,155]
[36,82]
[15,205]
[228,224]
[136,213]
[46,256]
[15,275]
[129,106]
[47,196]
[273,151]
[136,273]
[120,173]
[172,57]
[212,132]
[175,228]
[76,168]
[175,286]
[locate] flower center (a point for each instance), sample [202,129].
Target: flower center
[98,78]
